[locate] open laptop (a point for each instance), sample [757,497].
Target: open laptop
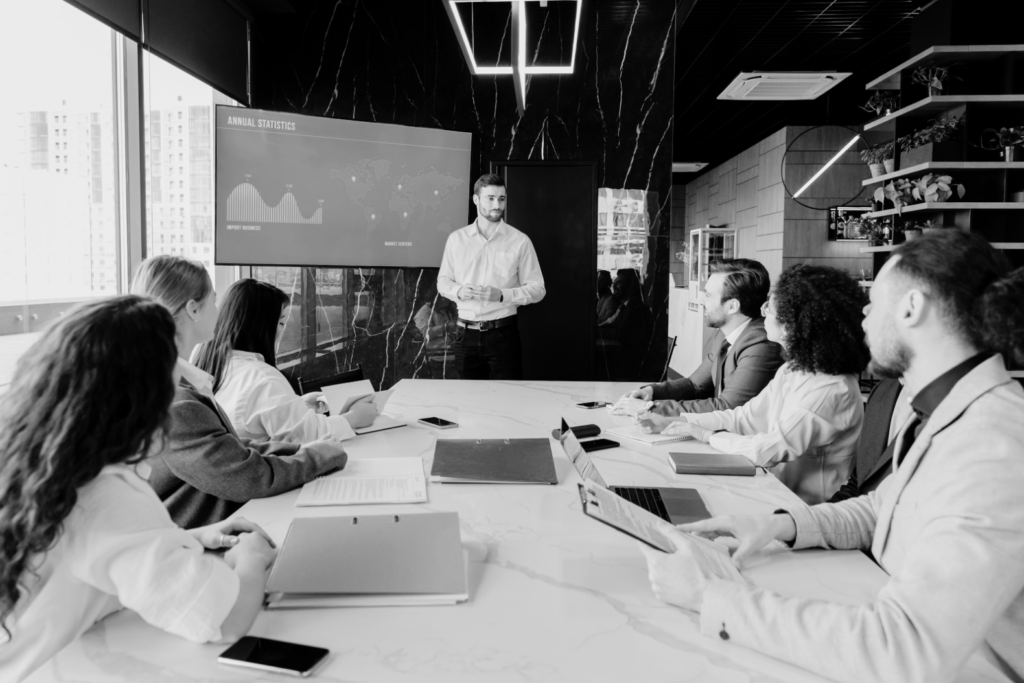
[678,506]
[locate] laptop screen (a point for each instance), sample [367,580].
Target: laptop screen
[578,457]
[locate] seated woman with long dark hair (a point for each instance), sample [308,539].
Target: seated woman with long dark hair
[83,534]
[258,400]
[804,425]
[207,472]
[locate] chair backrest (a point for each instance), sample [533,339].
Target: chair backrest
[308,384]
[671,346]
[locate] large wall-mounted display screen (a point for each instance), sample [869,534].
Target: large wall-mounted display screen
[295,190]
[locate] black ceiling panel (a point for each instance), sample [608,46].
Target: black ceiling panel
[721,38]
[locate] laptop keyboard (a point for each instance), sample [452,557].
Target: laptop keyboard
[647,498]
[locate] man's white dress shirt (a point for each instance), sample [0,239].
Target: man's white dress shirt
[119,548]
[507,261]
[261,405]
[803,427]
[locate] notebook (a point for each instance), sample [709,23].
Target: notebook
[370,560]
[493,461]
[367,481]
[380,424]
[700,458]
[633,433]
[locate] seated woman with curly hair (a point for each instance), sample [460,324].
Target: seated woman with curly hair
[805,424]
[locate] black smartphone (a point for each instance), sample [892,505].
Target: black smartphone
[590,405]
[274,655]
[598,445]
[438,422]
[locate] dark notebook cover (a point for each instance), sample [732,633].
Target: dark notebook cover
[711,463]
[501,461]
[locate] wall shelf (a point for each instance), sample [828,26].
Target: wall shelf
[1008,246]
[940,103]
[947,166]
[941,54]
[877,250]
[946,206]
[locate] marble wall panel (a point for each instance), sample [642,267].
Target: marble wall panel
[364,61]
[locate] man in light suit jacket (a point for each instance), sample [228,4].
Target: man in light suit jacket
[947,525]
[742,360]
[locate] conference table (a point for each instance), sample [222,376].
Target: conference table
[554,595]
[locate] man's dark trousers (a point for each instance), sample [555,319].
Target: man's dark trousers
[489,354]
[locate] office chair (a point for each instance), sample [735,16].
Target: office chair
[308,384]
[668,357]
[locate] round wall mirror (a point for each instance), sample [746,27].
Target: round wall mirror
[822,168]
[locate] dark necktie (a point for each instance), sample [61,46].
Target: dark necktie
[912,429]
[720,369]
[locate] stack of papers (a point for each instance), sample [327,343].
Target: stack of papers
[368,481]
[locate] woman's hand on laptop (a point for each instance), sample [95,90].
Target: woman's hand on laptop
[752,532]
[678,578]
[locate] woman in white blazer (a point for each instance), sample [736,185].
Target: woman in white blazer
[257,398]
[804,425]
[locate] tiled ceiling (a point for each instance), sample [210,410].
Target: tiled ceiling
[720,38]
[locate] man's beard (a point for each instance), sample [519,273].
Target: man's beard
[891,360]
[491,215]
[713,322]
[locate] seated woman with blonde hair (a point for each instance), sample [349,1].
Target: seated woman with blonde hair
[804,425]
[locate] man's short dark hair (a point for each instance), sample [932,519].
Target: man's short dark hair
[488,180]
[747,281]
[955,268]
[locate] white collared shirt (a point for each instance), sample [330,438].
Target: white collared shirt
[735,334]
[507,261]
[261,405]
[803,427]
[200,379]
[118,548]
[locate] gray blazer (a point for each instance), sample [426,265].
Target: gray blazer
[206,472]
[947,526]
[748,367]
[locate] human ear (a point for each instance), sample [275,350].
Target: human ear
[911,308]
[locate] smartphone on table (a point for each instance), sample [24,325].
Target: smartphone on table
[590,405]
[438,423]
[276,656]
[598,445]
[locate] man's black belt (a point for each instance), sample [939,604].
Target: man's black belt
[484,325]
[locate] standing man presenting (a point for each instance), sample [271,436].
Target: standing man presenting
[489,269]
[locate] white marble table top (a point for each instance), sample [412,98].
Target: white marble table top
[554,596]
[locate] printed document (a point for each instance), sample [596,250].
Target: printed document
[368,481]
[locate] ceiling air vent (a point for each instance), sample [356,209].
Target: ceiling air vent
[763,85]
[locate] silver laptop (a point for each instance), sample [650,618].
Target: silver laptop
[678,506]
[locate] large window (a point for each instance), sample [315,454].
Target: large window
[58,196]
[179,160]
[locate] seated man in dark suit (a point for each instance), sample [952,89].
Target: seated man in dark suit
[887,410]
[742,360]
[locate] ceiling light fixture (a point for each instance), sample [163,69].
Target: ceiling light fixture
[826,166]
[764,85]
[519,70]
[688,166]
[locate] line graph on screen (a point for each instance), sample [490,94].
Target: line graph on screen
[245,203]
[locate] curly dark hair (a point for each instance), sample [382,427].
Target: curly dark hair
[821,310]
[93,391]
[1002,320]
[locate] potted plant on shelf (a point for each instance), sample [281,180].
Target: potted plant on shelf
[937,141]
[873,157]
[933,77]
[912,230]
[881,103]
[928,188]
[936,188]
[1004,139]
